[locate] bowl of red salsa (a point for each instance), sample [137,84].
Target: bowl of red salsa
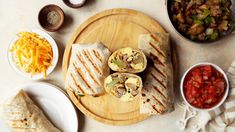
[204,86]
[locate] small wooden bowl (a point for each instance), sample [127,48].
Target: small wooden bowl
[68,3]
[44,20]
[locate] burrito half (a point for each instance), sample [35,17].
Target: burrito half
[23,115]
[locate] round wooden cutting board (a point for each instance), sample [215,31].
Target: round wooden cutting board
[115,28]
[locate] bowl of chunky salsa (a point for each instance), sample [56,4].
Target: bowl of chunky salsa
[204,86]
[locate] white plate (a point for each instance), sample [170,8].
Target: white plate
[54,61]
[55,105]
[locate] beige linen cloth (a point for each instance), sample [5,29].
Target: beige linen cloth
[221,119]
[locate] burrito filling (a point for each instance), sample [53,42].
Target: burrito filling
[127,59]
[123,86]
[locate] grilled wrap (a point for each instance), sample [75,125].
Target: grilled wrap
[127,60]
[87,69]
[157,92]
[124,86]
[23,115]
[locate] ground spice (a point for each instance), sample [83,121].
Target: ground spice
[53,17]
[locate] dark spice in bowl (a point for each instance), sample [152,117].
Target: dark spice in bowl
[51,17]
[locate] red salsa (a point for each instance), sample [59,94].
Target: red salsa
[204,86]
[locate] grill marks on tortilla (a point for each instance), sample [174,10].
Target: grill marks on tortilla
[84,64]
[96,67]
[159,71]
[156,48]
[78,70]
[88,56]
[87,65]
[154,107]
[157,90]
[76,83]
[156,59]
[159,81]
[159,102]
[98,56]
[154,38]
[157,77]
[90,74]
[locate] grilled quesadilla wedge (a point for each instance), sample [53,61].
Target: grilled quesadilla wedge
[157,92]
[124,86]
[23,115]
[127,60]
[87,69]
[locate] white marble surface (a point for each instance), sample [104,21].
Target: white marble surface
[19,15]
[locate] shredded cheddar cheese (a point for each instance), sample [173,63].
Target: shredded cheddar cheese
[32,53]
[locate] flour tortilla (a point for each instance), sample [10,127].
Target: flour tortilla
[157,92]
[22,115]
[87,70]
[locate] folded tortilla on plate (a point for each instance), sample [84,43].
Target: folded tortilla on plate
[157,92]
[23,115]
[87,69]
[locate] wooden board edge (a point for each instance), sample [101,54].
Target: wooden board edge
[67,54]
[103,120]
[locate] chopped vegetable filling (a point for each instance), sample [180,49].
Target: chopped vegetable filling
[193,18]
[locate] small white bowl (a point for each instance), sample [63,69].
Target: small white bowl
[225,94]
[36,76]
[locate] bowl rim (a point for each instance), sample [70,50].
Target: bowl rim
[71,5]
[218,69]
[37,76]
[58,9]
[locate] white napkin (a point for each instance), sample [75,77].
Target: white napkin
[221,119]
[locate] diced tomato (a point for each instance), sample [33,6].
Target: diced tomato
[196,84]
[212,78]
[190,98]
[204,86]
[197,75]
[210,90]
[211,99]
[220,85]
[206,72]
[195,92]
[207,68]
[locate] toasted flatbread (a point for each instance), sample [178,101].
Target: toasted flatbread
[157,92]
[23,115]
[87,69]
